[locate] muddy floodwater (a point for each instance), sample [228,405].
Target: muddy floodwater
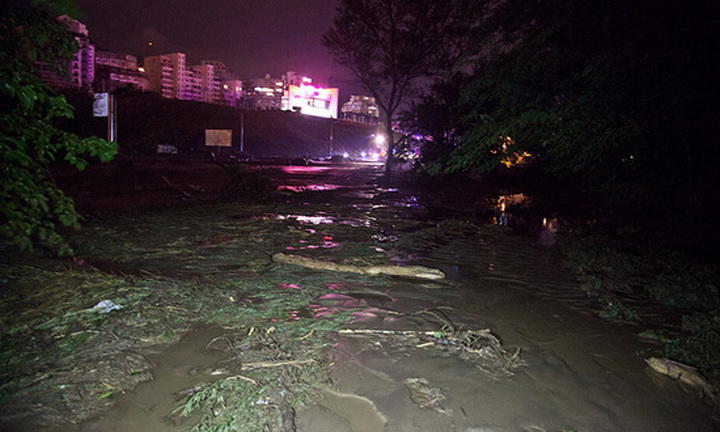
[582,373]
[575,371]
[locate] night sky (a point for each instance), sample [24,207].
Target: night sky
[252,37]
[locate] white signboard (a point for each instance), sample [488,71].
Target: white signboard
[100,105]
[218,137]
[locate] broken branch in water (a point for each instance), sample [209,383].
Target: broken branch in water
[408,271]
[387,332]
[271,364]
[479,346]
[685,374]
[241,377]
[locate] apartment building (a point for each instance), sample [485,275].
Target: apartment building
[360,109]
[116,70]
[210,89]
[265,93]
[168,75]
[233,92]
[79,71]
[221,71]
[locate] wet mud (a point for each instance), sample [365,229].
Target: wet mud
[582,373]
[577,372]
[181,366]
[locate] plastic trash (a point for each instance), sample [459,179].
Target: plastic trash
[106,306]
[383,237]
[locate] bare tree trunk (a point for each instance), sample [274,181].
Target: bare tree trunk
[390,161]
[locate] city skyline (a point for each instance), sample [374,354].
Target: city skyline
[252,38]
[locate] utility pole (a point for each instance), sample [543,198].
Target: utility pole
[242,132]
[112,118]
[105,105]
[332,122]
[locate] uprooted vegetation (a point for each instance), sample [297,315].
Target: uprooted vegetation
[676,302]
[65,360]
[172,269]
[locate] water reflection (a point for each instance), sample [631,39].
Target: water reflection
[513,211]
[289,286]
[548,232]
[326,244]
[309,187]
[505,203]
[313,220]
[299,169]
[411,201]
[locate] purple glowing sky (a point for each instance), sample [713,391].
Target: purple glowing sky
[252,37]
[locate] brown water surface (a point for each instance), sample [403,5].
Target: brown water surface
[145,409]
[582,373]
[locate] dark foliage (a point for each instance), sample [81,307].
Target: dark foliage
[32,208]
[616,98]
[389,45]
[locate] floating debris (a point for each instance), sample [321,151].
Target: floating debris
[420,272]
[686,375]
[106,306]
[426,396]
[383,237]
[479,347]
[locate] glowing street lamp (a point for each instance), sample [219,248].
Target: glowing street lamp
[379,139]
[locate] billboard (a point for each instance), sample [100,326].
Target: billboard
[218,137]
[313,101]
[100,104]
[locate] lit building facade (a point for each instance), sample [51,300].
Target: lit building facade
[221,71]
[168,75]
[210,89]
[361,109]
[80,70]
[116,70]
[312,100]
[232,91]
[264,93]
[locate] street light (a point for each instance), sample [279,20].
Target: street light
[379,139]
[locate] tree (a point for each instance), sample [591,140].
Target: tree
[390,45]
[617,97]
[437,116]
[32,208]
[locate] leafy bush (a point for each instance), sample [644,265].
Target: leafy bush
[32,208]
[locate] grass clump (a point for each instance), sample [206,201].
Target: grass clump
[169,270]
[677,300]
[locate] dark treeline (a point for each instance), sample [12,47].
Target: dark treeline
[614,100]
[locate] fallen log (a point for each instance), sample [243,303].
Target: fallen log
[685,374]
[407,271]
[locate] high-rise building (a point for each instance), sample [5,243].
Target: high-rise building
[264,93]
[233,92]
[168,76]
[80,69]
[221,71]
[361,109]
[114,70]
[209,83]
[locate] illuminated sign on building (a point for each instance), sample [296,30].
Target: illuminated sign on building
[313,101]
